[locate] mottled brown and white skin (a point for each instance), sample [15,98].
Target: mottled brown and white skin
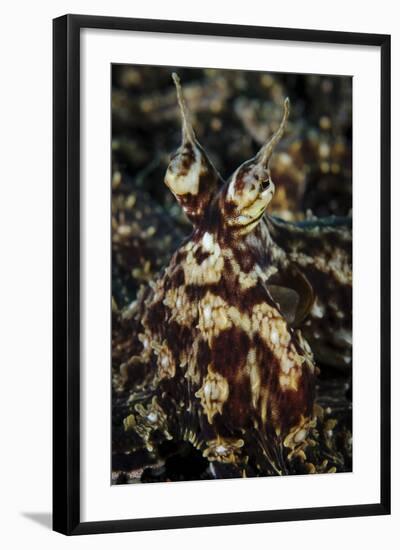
[222,360]
[318,254]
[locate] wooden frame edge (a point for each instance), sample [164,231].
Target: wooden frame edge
[66,274]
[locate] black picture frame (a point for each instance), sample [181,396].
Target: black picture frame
[66,273]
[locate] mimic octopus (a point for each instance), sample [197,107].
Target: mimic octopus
[224,343]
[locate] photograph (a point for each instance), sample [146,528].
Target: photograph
[231,275]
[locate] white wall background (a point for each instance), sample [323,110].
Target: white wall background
[25,275]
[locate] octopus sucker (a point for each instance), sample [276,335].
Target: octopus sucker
[225,337]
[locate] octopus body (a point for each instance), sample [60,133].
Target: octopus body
[216,350]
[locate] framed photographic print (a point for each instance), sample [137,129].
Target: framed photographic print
[221,274]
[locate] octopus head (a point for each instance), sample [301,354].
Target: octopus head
[241,201]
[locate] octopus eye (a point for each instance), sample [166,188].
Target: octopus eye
[190,174]
[251,188]
[265,184]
